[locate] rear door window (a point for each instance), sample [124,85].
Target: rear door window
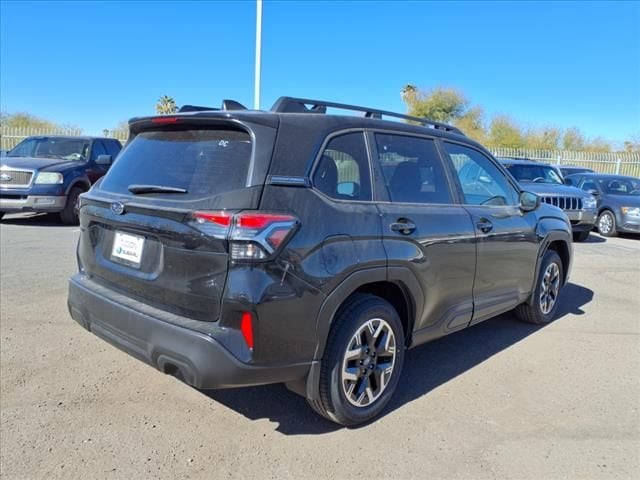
[412,169]
[202,162]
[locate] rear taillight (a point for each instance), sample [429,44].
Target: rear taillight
[251,235]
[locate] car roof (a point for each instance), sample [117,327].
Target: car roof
[312,121]
[76,137]
[524,161]
[597,175]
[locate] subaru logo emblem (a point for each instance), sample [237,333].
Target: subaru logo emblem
[117,208]
[6,177]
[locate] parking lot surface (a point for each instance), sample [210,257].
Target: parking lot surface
[500,400]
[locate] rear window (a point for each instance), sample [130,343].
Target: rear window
[202,162]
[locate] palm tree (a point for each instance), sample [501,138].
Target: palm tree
[166,105]
[409,94]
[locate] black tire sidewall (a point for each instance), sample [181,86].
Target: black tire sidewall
[342,411]
[69,215]
[580,236]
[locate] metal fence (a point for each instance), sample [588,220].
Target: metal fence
[625,163]
[10,137]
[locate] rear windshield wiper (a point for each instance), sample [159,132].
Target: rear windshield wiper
[154,189]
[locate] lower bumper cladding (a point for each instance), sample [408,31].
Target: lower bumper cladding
[200,359]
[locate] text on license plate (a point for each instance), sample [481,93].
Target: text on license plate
[128,247]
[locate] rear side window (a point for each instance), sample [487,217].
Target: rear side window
[412,169]
[343,170]
[202,162]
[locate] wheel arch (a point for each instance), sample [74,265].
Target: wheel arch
[82,182]
[397,285]
[560,242]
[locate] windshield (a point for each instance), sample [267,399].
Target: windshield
[534,173]
[52,147]
[620,186]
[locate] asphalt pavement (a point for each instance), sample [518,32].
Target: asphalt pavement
[501,400]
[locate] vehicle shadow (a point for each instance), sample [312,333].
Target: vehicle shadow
[592,238]
[630,236]
[426,368]
[34,220]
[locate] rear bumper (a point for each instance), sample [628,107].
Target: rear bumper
[582,220]
[200,359]
[33,203]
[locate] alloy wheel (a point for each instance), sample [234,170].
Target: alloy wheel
[368,362]
[549,288]
[605,224]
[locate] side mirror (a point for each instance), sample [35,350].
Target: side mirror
[529,201]
[593,192]
[103,160]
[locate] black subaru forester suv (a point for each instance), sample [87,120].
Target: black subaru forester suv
[233,247]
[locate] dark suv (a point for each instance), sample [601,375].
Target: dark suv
[546,181]
[48,173]
[235,247]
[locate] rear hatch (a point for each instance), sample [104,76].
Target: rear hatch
[139,229]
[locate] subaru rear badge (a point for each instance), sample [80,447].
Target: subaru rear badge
[117,208]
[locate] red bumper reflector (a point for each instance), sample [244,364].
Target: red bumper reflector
[246,327]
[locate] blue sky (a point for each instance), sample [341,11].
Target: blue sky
[544,63]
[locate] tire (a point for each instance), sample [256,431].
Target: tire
[362,322]
[545,302]
[606,224]
[580,236]
[69,215]
[1,215]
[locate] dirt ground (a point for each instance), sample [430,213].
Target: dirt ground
[501,400]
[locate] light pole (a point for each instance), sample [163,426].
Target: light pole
[256,92]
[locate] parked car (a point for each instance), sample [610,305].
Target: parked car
[618,199]
[544,180]
[48,173]
[235,247]
[567,170]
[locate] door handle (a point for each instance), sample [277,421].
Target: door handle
[403,226]
[484,225]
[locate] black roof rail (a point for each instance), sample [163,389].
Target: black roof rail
[226,105]
[232,105]
[195,108]
[306,105]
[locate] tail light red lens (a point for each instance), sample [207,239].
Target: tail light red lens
[260,220]
[252,235]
